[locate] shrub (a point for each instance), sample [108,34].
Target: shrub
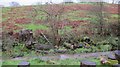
[94,49]
[104,48]
[114,42]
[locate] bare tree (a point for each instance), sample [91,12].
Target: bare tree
[97,11]
[119,24]
[53,18]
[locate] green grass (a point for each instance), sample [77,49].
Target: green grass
[34,26]
[11,62]
[6,9]
[4,19]
[69,62]
[41,17]
[35,61]
[66,28]
[114,15]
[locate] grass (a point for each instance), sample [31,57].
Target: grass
[36,61]
[34,26]
[66,28]
[6,9]
[114,15]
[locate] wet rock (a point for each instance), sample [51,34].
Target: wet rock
[24,64]
[85,63]
[117,55]
[111,56]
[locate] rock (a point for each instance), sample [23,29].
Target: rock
[62,57]
[117,65]
[68,46]
[60,51]
[111,56]
[43,47]
[25,35]
[87,64]
[24,64]
[117,55]
[43,52]
[80,45]
[104,60]
[29,44]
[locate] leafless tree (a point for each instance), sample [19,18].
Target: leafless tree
[98,12]
[53,13]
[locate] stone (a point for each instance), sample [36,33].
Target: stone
[68,45]
[117,55]
[117,65]
[24,64]
[62,57]
[111,56]
[60,51]
[86,63]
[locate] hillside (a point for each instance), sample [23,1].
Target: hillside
[16,16]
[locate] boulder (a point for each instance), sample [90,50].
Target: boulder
[24,64]
[111,56]
[117,65]
[117,55]
[86,63]
[60,51]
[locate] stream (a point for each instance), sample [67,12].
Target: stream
[64,56]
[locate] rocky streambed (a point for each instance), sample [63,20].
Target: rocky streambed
[65,56]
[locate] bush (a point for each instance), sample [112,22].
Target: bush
[94,49]
[114,42]
[104,48]
[105,42]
